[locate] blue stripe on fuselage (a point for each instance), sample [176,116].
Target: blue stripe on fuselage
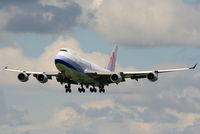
[69,63]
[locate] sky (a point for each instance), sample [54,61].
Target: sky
[151,34]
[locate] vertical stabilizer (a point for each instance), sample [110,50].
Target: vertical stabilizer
[112,61]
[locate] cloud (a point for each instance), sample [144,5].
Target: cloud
[99,104]
[106,120]
[38,17]
[134,23]
[6,41]
[62,117]
[148,22]
[10,116]
[185,120]
[3,106]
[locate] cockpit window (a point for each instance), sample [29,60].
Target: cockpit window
[64,50]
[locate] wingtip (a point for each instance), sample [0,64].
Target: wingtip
[193,66]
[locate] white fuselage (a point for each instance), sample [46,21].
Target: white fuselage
[74,67]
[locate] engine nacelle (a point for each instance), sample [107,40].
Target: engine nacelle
[42,78]
[23,77]
[152,77]
[116,78]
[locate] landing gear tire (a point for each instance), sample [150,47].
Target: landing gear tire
[81,90]
[93,90]
[102,90]
[68,88]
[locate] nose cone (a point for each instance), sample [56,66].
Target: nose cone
[59,62]
[64,62]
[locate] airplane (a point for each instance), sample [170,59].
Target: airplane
[73,69]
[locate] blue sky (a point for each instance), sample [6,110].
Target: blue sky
[161,35]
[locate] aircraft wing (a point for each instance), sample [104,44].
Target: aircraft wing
[138,74]
[42,77]
[31,72]
[106,77]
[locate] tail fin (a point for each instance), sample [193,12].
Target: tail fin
[113,57]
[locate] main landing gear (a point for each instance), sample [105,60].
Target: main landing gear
[93,89]
[68,88]
[82,89]
[101,89]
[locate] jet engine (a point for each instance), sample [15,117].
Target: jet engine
[42,78]
[152,77]
[116,78]
[23,77]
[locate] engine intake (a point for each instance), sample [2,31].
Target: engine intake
[152,77]
[116,78]
[23,77]
[42,78]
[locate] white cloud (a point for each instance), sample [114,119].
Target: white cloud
[99,104]
[3,109]
[148,22]
[63,116]
[56,3]
[185,119]
[138,22]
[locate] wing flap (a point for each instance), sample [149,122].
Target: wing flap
[135,75]
[101,77]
